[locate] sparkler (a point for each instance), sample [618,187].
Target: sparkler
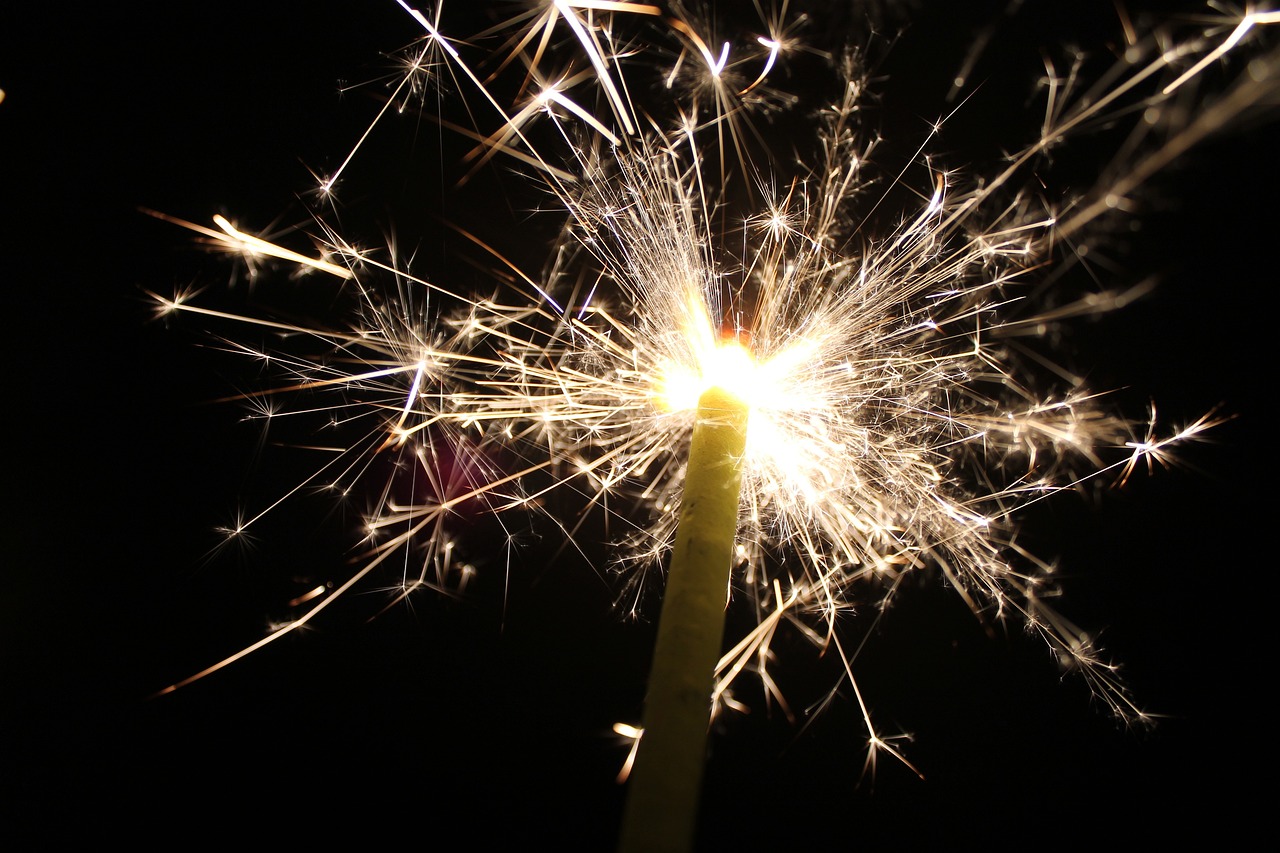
[900,412]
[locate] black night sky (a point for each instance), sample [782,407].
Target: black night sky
[486,719]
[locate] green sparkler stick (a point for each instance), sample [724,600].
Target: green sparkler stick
[662,803]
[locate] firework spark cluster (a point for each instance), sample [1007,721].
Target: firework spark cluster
[905,400]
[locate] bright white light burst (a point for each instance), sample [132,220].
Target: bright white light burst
[902,407]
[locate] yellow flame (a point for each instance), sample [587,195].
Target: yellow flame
[727,365]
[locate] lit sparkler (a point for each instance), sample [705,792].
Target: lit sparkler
[899,413]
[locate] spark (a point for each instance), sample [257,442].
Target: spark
[230,239]
[902,413]
[1248,22]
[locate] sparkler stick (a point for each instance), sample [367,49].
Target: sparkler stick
[663,798]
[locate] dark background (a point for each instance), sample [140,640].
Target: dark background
[488,718]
